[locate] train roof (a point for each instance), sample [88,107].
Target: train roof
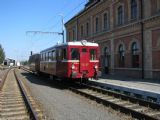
[75,43]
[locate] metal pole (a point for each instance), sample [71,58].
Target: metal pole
[62,27]
[142,38]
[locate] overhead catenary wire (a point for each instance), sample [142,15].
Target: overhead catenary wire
[58,21]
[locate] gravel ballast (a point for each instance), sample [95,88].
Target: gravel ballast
[61,104]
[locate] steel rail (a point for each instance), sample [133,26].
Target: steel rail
[33,114]
[26,69]
[125,97]
[123,109]
[4,79]
[135,114]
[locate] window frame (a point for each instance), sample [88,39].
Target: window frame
[78,54]
[87,28]
[120,15]
[105,21]
[121,55]
[95,54]
[134,9]
[97,25]
[135,55]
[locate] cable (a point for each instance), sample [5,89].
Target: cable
[69,13]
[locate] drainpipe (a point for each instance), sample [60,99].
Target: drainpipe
[142,37]
[77,28]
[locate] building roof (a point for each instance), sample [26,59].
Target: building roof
[87,6]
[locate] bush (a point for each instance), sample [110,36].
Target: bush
[2,54]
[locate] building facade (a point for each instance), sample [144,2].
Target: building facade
[128,32]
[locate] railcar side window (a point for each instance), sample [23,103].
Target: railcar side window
[58,55]
[53,55]
[74,54]
[43,57]
[50,56]
[46,56]
[93,54]
[64,54]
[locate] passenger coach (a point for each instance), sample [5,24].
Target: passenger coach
[71,60]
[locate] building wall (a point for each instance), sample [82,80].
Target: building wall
[115,34]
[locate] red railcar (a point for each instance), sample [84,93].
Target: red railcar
[72,60]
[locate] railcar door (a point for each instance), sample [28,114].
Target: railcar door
[84,60]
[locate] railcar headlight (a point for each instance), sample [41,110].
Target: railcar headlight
[73,66]
[95,66]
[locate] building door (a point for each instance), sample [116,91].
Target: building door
[106,60]
[84,59]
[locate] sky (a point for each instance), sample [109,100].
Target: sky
[19,16]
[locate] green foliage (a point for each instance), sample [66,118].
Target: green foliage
[24,62]
[2,54]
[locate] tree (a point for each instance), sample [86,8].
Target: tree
[25,62]
[2,54]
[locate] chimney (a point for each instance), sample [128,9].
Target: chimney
[31,53]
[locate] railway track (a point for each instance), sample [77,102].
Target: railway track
[136,107]
[15,101]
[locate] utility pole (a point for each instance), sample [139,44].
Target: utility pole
[62,19]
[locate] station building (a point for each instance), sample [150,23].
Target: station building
[128,32]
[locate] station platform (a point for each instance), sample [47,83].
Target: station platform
[145,89]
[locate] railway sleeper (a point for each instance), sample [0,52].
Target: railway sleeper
[127,98]
[14,113]
[20,117]
[11,102]
[125,108]
[14,109]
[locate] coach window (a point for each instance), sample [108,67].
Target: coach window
[41,57]
[53,55]
[135,56]
[50,56]
[121,55]
[93,54]
[64,54]
[74,54]
[44,56]
[58,55]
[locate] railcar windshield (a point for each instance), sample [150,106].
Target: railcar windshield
[74,54]
[93,54]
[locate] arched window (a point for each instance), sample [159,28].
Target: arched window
[97,24]
[120,15]
[106,51]
[74,35]
[82,31]
[121,56]
[135,56]
[133,9]
[87,28]
[105,20]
